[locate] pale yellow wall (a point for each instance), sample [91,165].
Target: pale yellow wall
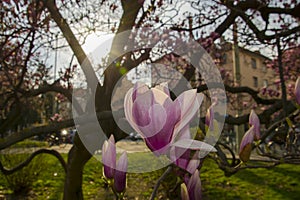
[247,73]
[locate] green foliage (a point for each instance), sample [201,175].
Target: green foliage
[278,183]
[22,180]
[281,182]
[29,143]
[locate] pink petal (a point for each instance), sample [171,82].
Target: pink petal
[138,89]
[140,109]
[194,186]
[158,117]
[246,145]
[160,142]
[254,121]
[209,118]
[128,105]
[180,156]
[193,163]
[120,173]
[109,157]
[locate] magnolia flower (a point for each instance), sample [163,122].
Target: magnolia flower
[114,171]
[252,134]
[209,118]
[297,90]
[109,157]
[159,119]
[191,189]
[246,145]
[120,174]
[254,121]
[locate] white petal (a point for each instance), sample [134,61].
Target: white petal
[194,145]
[163,87]
[189,103]
[128,104]
[122,162]
[160,96]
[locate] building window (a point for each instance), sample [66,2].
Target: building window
[264,68]
[265,83]
[253,63]
[255,81]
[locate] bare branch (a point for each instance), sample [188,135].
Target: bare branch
[242,89]
[27,133]
[30,158]
[163,176]
[73,42]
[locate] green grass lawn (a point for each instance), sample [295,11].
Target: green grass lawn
[281,182]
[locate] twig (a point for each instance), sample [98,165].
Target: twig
[163,176]
[231,152]
[30,158]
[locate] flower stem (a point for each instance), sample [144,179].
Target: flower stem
[163,176]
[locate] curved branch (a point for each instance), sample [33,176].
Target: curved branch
[54,88]
[30,158]
[264,116]
[231,152]
[27,133]
[242,89]
[163,176]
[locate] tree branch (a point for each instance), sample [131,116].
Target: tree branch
[163,176]
[27,133]
[30,158]
[54,88]
[82,58]
[242,89]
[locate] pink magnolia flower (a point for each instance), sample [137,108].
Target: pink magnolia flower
[191,189]
[120,173]
[297,90]
[109,157]
[252,134]
[246,145]
[111,169]
[209,118]
[254,121]
[159,119]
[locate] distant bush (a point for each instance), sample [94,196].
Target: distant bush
[21,181]
[29,143]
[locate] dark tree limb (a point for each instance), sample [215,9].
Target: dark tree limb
[81,56]
[31,157]
[243,89]
[163,176]
[29,132]
[54,88]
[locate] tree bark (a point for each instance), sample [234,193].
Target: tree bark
[77,158]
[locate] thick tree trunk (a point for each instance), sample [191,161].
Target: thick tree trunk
[79,155]
[77,158]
